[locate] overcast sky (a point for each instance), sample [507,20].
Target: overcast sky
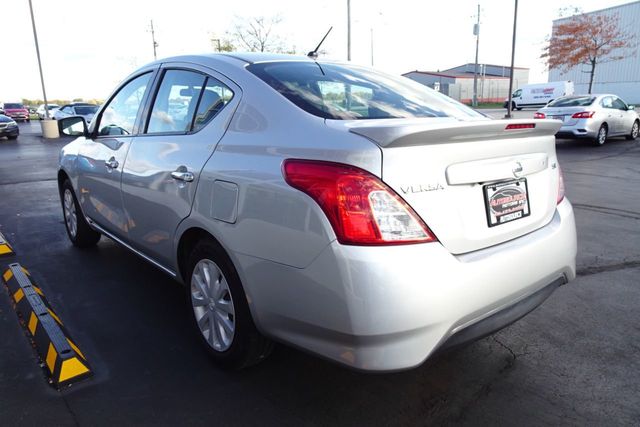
[88,46]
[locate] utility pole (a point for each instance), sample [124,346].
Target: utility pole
[476,32]
[155,44]
[513,54]
[372,47]
[348,30]
[218,42]
[35,38]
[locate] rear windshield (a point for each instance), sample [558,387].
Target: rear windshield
[345,92]
[13,106]
[84,110]
[572,101]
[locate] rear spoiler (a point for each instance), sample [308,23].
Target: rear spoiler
[403,133]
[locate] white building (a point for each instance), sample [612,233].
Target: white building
[457,82]
[622,77]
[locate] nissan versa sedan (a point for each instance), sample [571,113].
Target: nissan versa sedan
[356,215]
[595,117]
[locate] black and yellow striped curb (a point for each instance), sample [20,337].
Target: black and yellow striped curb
[64,361]
[5,247]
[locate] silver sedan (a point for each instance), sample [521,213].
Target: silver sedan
[595,117]
[357,215]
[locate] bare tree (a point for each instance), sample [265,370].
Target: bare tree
[590,40]
[258,34]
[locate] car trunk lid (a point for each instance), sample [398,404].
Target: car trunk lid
[444,168]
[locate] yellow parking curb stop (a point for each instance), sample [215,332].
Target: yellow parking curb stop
[65,363]
[5,247]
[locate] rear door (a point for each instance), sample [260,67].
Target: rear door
[189,113]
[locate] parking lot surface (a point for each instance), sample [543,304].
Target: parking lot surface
[573,361]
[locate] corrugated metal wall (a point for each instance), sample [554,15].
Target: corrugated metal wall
[621,77]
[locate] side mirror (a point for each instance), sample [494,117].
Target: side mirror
[73,126]
[631,107]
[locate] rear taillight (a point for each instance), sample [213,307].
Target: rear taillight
[539,116]
[583,115]
[560,186]
[361,209]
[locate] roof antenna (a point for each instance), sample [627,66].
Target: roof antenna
[314,53]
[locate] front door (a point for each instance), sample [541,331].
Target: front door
[189,115]
[102,157]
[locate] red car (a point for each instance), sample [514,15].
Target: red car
[16,111]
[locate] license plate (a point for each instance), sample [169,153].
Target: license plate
[561,118]
[506,201]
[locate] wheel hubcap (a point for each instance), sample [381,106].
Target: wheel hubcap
[213,305]
[70,217]
[634,130]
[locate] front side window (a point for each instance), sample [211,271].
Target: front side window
[119,116]
[619,104]
[83,110]
[346,92]
[517,93]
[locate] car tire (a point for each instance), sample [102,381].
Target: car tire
[518,108]
[635,130]
[219,310]
[12,137]
[78,230]
[601,136]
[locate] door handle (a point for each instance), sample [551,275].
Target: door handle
[182,176]
[112,163]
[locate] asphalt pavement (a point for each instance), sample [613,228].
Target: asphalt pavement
[573,361]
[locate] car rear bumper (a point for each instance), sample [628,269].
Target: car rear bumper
[390,308]
[582,128]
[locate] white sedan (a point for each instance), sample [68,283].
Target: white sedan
[78,109]
[595,117]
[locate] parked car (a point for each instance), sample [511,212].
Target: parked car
[8,127]
[76,109]
[539,94]
[51,107]
[16,111]
[595,117]
[374,236]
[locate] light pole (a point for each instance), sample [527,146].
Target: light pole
[513,54]
[476,32]
[218,43]
[348,30]
[155,44]
[35,38]
[372,47]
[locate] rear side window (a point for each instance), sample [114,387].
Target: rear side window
[574,101]
[346,92]
[175,102]
[186,101]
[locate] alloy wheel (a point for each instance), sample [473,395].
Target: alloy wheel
[70,216]
[635,130]
[213,305]
[602,135]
